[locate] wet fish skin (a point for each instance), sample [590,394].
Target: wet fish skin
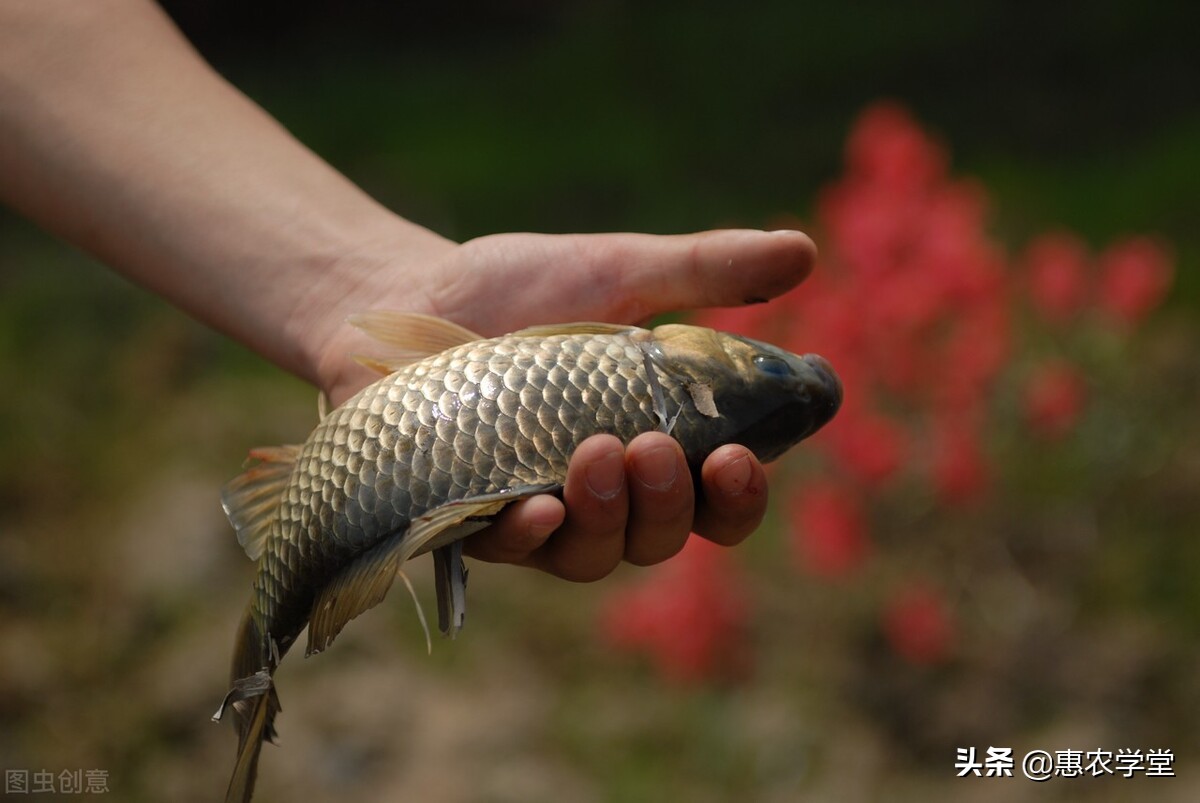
[424,456]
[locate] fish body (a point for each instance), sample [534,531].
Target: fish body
[463,427]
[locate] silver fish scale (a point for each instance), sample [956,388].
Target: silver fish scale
[477,419]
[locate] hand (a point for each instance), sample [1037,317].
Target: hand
[270,245]
[503,282]
[634,504]
[637,503]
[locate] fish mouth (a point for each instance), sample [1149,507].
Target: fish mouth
[813,398]
[829,386]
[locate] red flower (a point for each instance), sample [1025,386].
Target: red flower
[913,304]
[918,625]
[1135,276]
[870,447]
[688,616]
[959,468]
[1056,267]
[888,146]
[826,316]
[1055,396]
[973,352]
[829,530]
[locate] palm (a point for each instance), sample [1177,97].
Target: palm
[501,283]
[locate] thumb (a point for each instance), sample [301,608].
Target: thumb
[723,268]
[615,277]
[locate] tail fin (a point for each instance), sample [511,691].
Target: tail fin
[254,703]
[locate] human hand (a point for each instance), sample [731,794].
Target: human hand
[269,244]
[633,503]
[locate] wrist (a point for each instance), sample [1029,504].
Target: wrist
[387,265]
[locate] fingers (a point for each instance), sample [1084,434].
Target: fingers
[661,499]
[630,504]
[735,495]
[519,531]
[711,269]
[591,541]
[635,505]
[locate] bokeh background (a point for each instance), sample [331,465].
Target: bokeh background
[1043,592]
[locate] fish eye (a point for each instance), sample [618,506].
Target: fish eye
[772,365]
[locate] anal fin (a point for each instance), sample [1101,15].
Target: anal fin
[450,577]
[364,583]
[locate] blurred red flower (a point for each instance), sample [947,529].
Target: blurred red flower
[869,447]
[918,625]
[688,615]
[1056,268]
[975,349]
[959,468]
[828,530]
[1135,275]
[915,305]
[1054,398]
[887,145]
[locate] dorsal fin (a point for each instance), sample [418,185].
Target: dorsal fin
[251,499]
[409,337]
[577,328]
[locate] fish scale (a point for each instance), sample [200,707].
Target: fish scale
[463,427]
[502,436]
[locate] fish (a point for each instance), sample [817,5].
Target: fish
[460,427]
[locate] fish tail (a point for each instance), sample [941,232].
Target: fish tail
[254,704]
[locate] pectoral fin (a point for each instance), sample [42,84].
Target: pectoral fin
[702,397]
[364,583]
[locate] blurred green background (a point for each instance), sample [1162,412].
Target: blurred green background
[121,585]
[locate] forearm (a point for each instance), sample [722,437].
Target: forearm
[115,135]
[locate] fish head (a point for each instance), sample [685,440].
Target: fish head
[745,391]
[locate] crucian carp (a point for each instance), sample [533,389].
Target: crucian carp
[460,427]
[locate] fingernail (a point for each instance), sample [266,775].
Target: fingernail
[606,476]
[657,468]
[734,477]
